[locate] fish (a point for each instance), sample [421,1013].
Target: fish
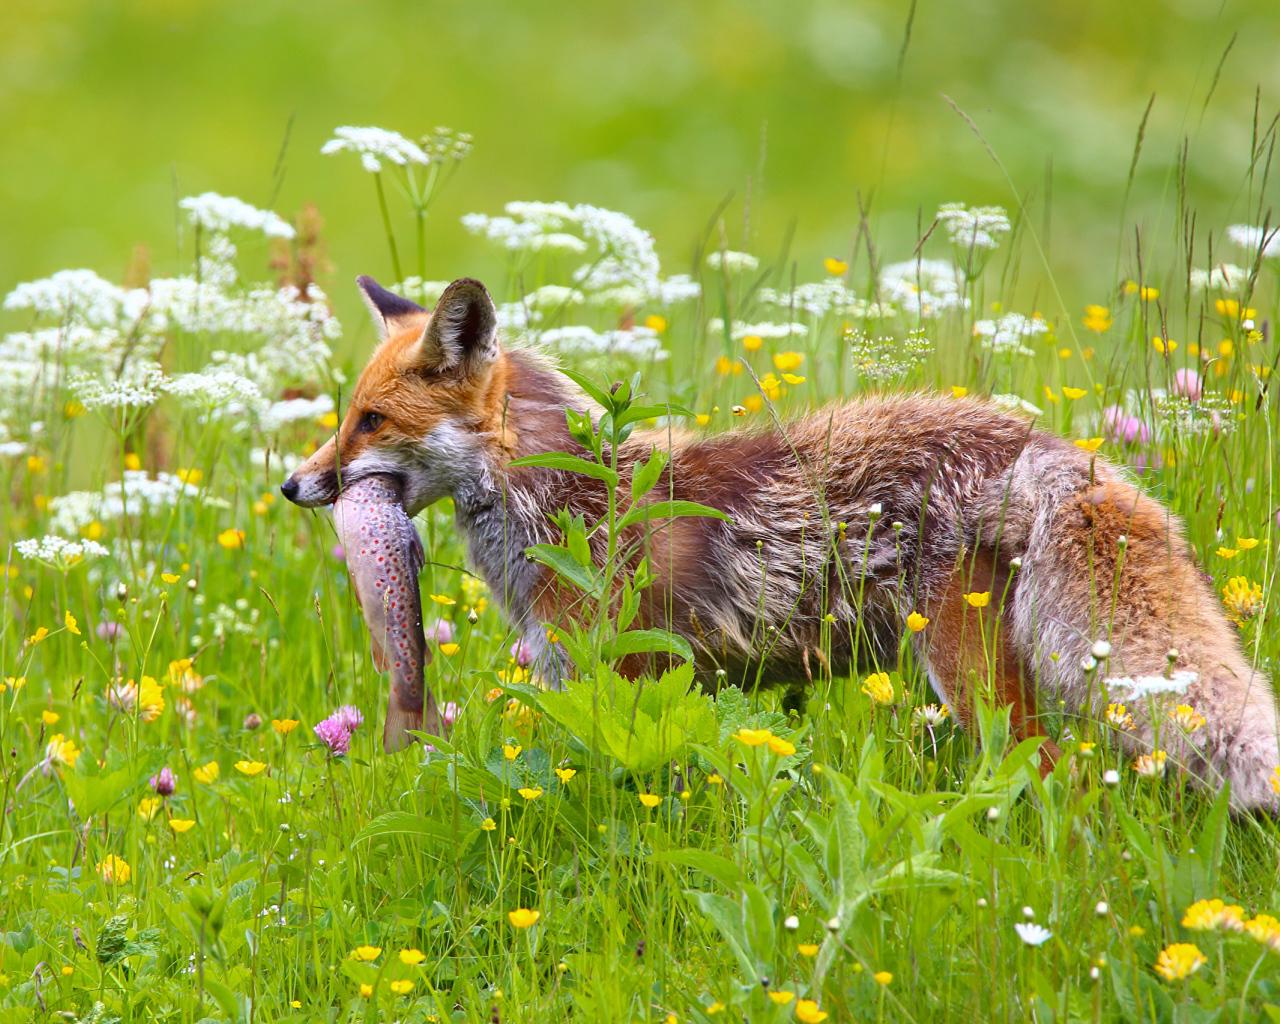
[384,556]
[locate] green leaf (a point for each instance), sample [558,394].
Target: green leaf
[571,463]
[668,510]
[566,565]
[647,641]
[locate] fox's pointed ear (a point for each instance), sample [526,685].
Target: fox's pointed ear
[463,328]
[390,312]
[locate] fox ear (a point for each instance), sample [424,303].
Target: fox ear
[390,311]
[463,327]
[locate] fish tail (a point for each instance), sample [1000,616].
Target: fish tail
[395,734]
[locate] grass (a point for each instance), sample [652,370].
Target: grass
[616,852]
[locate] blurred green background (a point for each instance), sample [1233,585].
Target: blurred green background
[110,109]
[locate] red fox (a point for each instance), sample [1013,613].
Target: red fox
[848,529]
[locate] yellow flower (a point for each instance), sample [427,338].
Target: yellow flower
[1074,393]
[231,539]
[808,1013]
[782,998]
[1227,553]
[284,726]
[530,793]
[412,957]
[752,737]
[190,476]
[250,767]
[650,799]
[656,323]
[834,266]
[329,420]
[883,977]
[1211,915]
[878,688]
[181,825]
[443,599]
[1185,717]
[401,988]
[1179,960]
[38,635]
[170,577]
[916,622]
[523,918]
[565,774]
[958,391]
[49,717]
[510,752]
[1097,318]
[69,621]
[752,342]
[781,747]
[114,870]
[1246,543]
[978,599]
[808,949]
[207,774]
[792,379]
[449,648]
[366,953]
[788,362]
[489,825]
[366,990]
[1090,444]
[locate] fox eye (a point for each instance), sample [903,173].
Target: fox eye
[372,421]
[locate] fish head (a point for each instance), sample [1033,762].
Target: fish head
[423,407]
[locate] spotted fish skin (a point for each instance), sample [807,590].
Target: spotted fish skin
[384,556]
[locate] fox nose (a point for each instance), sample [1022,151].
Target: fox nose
[289,488]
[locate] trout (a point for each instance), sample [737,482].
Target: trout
[384,556]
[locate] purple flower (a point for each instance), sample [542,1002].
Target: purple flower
[338,553]
[522,653]
[1122,428]
[349,717]
[334,735]
[108,630]
[1187,383]
[441,632]
[450,714]
[164,782]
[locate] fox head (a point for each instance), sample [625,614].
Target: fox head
[425,409]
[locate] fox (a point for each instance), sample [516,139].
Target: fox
[1019,567]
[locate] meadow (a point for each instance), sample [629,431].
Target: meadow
[200,823]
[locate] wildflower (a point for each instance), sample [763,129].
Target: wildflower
[489,825]
[510,752]
[807,949]
[932,715]
[1227,553]
[181,825]
[1151,766]
[565,774]
[164,782]
[781,747]
[1097,318]
[208,774]
[284,726]
[412,957]
[788,362]
[752,737]
[148,806]
[978,599]
[650,799]
[250,768]
[916,622]
[1185,718]
[530,792]
[1179,960]
[114,870]
[1033,934]
[834,266]
[231,539]
[807,1012]
[781,997]
[522,918]
[878,688]
[1074,393]
[366,953]
[401,988]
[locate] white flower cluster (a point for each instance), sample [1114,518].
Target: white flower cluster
[634,342]
[137,494]
[761,330]
[922,288]
[1224,277]
[1256,240]
[1009,335]
[1134,689]
[58,552]
[221,214]
[375,145]
[981,227]
[732,262]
